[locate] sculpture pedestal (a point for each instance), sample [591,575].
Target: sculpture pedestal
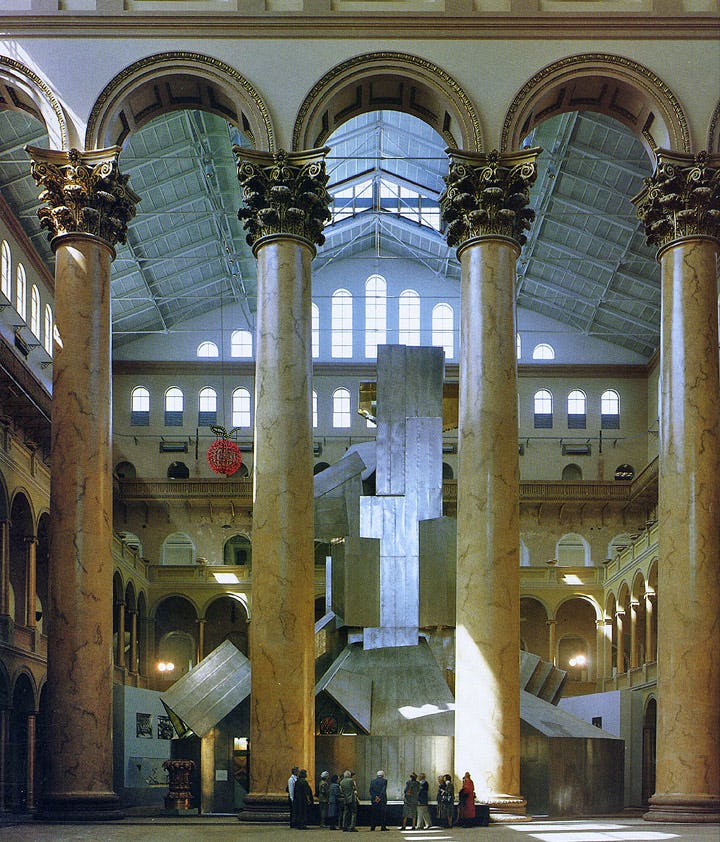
[179,796]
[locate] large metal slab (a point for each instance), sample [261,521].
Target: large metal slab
[209,692]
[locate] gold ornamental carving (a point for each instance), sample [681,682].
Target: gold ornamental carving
[681,198]
[83,193]
[284,193]
[488,195]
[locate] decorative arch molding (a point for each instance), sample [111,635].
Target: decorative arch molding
[713,138]
[391,81]
[23,492]
[581,597]
[191,601]
[241,598]
[23,90]
[603,82]
[174,81]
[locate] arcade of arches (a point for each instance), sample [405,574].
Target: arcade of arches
[119,555]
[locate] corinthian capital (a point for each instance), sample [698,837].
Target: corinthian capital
[681,198]
[83,193]
[284,194]
[487,195]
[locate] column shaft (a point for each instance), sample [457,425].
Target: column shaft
[688,735]
[133,666]
[80,629]
[4,567]
[30,779]
[650,628]
[120,647]
[30,582]
[634,661]
[488,641]
[620,641]
[552,654]
[4,731]
[282,718]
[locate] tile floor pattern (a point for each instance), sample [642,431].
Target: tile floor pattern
[228,829]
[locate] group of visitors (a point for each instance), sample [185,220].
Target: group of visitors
[338,798]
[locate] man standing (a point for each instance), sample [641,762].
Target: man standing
[291,790]
[378,801]
[302,801]
[423,811]
[323,796]
[349,798]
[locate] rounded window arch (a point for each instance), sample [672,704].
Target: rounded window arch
[241,344]
[48,331]
[610,410]
[443,328]
[518,345]
[341,408]
[6,270]
[447,471]
[572,472]
[315,314]
[543,351]
[341,324]
[543,409]
[35,311]
[241,407]
[125,470]
[178,470]
[140,406]
[238,551]
[178,548]
[572,550]
[409,317]
[174,405]
[21,291]
[320,466]
[207,406]
[375,314]
[207,349]
[624,472]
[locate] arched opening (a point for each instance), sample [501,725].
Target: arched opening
[226,619]
[176,635]
[572,550]
[22,534]
[125,470]
[238,551]
[19,783]
[572,473]
[575,632]
[42,565]
[534,629]
[178,470]
[178,548]
[648,750]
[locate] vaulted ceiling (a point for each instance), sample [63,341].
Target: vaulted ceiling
[585,265]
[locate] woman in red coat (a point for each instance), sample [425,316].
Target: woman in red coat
[466,798]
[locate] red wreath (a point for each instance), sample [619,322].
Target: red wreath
[224,455]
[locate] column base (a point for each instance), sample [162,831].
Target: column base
[505,808]
[680,807]
[266,809]
[80,807]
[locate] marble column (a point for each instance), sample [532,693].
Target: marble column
[30,581]
[120,647]
[30,772]
[650,626]
[604,649]
[286,205]
[86,208]
[133,666]
[200,652]
[552,654]
[620,640]
[5,619]
[680,208]
[634,660]
[485,206]
[4,732]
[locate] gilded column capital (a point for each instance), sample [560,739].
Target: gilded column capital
[83,193]
[284,194]
[681,198]
[486,195]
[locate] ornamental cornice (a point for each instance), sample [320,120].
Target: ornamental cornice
[83,193]
[487,195]
[681,199]
[284,194]
[632,72]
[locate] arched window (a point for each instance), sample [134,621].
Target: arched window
[174,404]
[315,331]
[35,311]
[48,330]
[238,551]
[21,292]
[543,407]
[178,548]
[518,345]
[207,349]
[341,408]
[610,410]
[140,407]
[207,407]
[443,325]
[6,270]
[572,472]
[341,324]
[573,550]
[375,314]
[241,407]
[409,318]
[577,418]
[241,344]
[314,409]
[543,351]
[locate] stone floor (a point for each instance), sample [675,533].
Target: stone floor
[222,828]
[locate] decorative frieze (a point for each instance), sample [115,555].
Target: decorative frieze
[83,193]
[681,198]
[487,194]
[284,194]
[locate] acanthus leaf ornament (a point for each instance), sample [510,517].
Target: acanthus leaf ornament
[681,198]
[284,194]
[487,194]
[83,192]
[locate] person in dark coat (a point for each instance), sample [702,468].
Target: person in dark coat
[466,796]
[334,805]
[378,801]
[302,801]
